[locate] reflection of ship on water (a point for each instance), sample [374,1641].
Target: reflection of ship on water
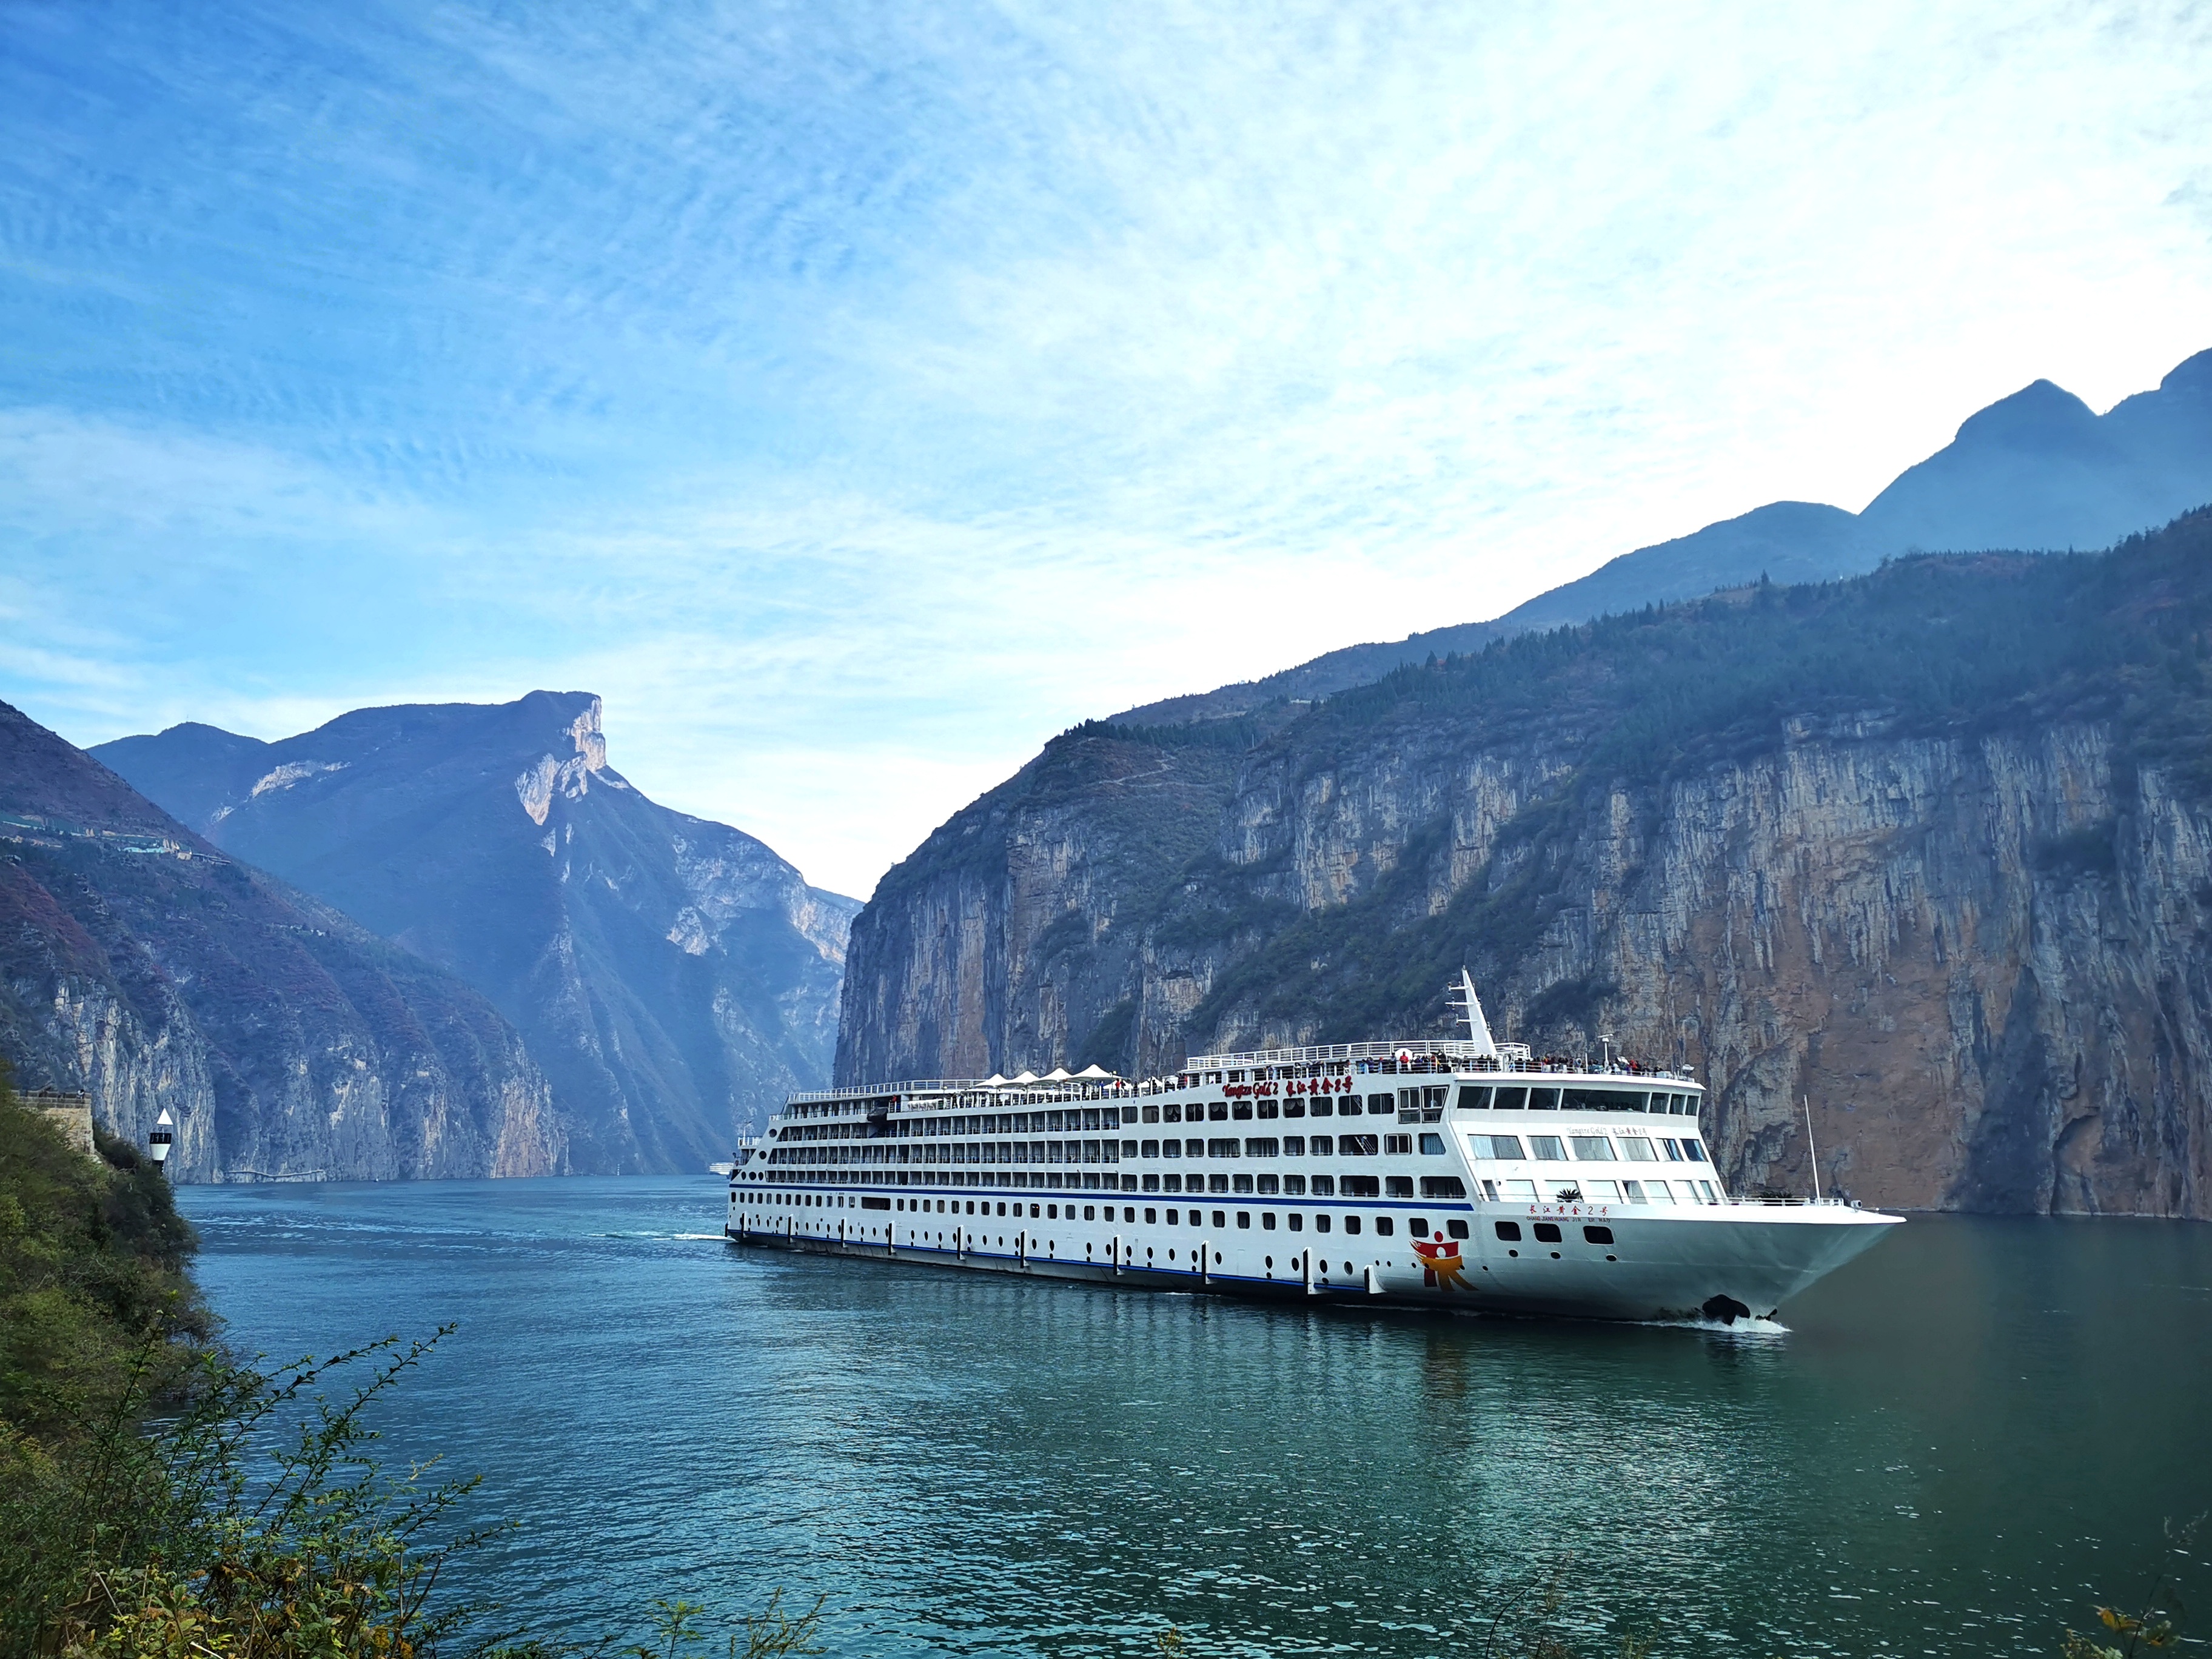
[1465,1173]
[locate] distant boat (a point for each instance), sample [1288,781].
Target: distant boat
[1462,1173]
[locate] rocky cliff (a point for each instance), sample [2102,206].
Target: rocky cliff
[673,977]
[1930,847]
[140,964]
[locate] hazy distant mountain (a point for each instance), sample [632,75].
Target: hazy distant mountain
[672,976]
[2037,472]
[142,965]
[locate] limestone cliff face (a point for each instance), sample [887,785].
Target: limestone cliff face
[1982,952]
[673,977]
[140,965]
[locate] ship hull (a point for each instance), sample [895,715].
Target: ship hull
[1731,1268]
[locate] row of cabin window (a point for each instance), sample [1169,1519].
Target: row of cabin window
[1516,1097]
[1589,1149]
[1385,1226]
[1293,1147]
[1547,1232]
[1109,1152]
[1647,1191]
[1299,1186]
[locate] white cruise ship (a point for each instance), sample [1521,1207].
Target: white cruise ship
[1464,1173]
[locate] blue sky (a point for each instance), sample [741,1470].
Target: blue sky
[854,396]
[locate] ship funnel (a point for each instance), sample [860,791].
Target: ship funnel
[1470,1006]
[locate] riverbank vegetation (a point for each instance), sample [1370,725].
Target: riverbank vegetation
[159,1500]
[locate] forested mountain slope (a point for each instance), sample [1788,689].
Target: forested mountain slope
[139,963]
[1931,846]
[2037,470]
[674,978]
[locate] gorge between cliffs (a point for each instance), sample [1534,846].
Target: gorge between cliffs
[1929,849]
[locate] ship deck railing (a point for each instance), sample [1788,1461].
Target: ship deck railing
[903,1093]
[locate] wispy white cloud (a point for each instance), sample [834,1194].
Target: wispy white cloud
[854,396]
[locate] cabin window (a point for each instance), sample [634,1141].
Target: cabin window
[1598,1235]
[1221,1148]
[1352,1225]
[1172,1112]
[1399,1185]
[1263,1146]
[1378,1105]
[1472,1099]
[1217,1183]
[1509,1100]
[1294,1147]
[1417,1227]
[1298,1224]
[1693,1152]
[1152,1183]
[1151,1114]
[1323,1147]
[1356,1145]
[1294,1185]
[1244,1218]
[1325,1108]
[1384,1227]
[1601,1192]
[1294,1109]
[1220,1220]
[1592,1149]
[1632,1191]
[1494,1146]
[1432,1146]
[1673,1149]
[1150,1149]
[1685,1105]
[1217,1111]
[1525,1190]
[1547,1233]
[1241,1184]
[1360,1187]
[1267,1221]
[1658,1192]
[1543,1100]
[1242,1111]
[1397,1144]
[1268,1108]
[1171,1183]
[1321,1224]
[1324,1186]
[1456,1229]
[1637,1150]
[1602,1100]
[1548,1149]
[1442,1186]
[1270,1185]
[1091,1212]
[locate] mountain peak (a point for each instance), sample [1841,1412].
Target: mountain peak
[2040,413]
[2193,374]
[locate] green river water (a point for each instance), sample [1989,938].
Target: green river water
[1962,1442]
